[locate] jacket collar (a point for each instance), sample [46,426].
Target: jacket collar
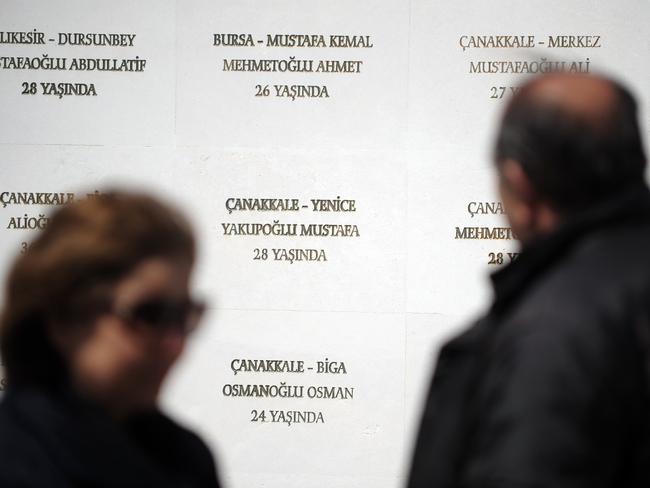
[510,282]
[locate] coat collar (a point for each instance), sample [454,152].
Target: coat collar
[510,282]
[83,441]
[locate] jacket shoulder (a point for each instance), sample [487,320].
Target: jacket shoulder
[595,288]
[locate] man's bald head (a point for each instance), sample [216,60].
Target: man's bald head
[588,98]
[575,136]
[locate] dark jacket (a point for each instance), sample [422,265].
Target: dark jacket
[550,389]
[52,439]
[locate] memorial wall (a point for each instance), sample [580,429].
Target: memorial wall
[334,158]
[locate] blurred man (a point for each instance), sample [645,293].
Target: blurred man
[550,388]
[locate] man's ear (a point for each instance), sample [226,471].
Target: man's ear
[530,214]
[518,182]
[519,198]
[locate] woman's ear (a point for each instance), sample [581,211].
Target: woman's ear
[66,337]
[60,336]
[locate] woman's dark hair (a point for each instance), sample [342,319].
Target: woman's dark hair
[66,275]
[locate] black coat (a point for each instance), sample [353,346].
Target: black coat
[550,389]
[52,439]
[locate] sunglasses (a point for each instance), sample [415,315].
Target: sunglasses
[165,314]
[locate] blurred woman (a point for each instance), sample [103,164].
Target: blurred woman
[96,312]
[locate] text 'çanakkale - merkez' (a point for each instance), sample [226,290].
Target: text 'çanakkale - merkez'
[292,40]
